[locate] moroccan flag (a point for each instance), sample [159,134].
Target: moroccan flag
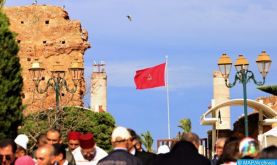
[150,77]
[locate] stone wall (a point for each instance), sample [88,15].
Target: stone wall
[46,33]
[270,101]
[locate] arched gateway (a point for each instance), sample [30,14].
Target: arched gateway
[269,113]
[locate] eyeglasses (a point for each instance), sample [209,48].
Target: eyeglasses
[88,152]
[7,157]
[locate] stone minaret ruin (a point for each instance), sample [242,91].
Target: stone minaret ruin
[47,34]
[221,94]
[98,97]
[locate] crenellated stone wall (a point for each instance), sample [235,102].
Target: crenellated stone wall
[46,33]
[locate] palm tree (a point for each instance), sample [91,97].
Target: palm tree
[147,141]
[185,125]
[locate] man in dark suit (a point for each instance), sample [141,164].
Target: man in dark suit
[145,157]
[120,155]
[60,154]
[219,144]
[183,152]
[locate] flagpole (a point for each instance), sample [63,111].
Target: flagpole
[167,98]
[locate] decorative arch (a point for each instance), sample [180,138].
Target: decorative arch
[270,113]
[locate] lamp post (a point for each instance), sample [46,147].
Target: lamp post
[57,80]
[243,75]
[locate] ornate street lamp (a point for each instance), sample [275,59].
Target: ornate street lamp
[243,75]
[57,80]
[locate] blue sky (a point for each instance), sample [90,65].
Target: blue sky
[192,33]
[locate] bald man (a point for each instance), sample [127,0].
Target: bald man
[45,155]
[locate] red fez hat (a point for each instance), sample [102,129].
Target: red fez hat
[86,140]
[73,135]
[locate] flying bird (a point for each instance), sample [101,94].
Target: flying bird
[129,17]
[35,2]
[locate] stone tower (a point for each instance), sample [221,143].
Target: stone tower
[221,94]
[98,97]
[45,33]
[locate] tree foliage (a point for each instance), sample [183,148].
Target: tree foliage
[2,2]
[73,118]
[11,81]
[147,141]
[185,125]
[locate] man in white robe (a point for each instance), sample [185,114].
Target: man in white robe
[88,153]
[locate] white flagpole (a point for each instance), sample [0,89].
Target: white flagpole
[167,97]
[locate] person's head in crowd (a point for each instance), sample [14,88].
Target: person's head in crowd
[7,151]
[41,140]
[73,140]
[25,160]
[219,144]
[138,145]
[230,150]
[163,149]
[45,155]
[133,140]
[191,137]
[88,147]
[21,142]
[59,153]
[53,136]
[121,138]
[137,141]
[269,152]
[248,148]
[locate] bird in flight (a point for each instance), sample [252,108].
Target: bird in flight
[35,2]
[129,17]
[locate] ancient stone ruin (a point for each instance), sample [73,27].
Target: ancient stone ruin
[46,33]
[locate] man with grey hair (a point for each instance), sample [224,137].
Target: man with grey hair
[219,144]
[121,143]
[191,137]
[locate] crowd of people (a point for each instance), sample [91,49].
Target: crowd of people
[230,150]
[81,149]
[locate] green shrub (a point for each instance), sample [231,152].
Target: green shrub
[71,118]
